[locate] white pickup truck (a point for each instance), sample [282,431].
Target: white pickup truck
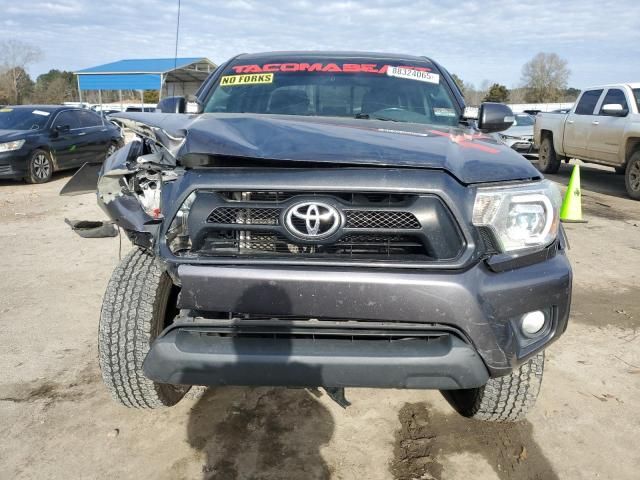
[602,127]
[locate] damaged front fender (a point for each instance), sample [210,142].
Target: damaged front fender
[128,186]
[115,196]
[128,191]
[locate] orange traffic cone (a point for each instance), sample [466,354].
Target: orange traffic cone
[571,210]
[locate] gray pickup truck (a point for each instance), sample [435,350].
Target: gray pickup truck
[603,127]
[331,220]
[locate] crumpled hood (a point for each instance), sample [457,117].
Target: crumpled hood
[469,156]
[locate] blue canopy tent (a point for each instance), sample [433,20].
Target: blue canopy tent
[170,76]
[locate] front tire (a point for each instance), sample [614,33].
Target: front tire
[502,399]
[40,167]
[632,176]
[135,310]
[548,161]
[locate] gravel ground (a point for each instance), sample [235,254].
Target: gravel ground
[58,422]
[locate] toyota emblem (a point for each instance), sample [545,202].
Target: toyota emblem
[312,220]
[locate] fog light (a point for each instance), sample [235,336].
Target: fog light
[532,322]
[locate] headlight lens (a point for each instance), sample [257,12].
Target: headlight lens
[11,146]
[523,217]
[178,234]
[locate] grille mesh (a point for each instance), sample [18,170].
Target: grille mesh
[381,219]
[361,245]
[238,215]
[376,219]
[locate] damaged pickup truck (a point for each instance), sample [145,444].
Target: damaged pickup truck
[331,220]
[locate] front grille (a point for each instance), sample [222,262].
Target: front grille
[352,246]
[363,219]
[377,226]
[239,324]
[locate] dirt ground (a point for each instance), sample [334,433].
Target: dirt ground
[57,420]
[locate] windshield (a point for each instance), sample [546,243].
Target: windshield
[349,88]
[22,118]
[523,121]
[636,93]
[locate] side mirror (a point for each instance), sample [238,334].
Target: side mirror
[614,110]
[61,130]
[172,105]
[494,117]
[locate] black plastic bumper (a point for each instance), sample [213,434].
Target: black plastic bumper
[189,356]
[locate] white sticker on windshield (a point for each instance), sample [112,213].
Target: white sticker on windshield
[444,112]
[41,112]
[411,74]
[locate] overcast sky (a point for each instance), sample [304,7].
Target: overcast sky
[478,40]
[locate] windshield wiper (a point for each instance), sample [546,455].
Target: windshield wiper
[367,116]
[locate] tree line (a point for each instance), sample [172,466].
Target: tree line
[544,79]
[54,87]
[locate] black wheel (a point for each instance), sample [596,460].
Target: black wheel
[40,167]
[632,176]
[502,399]
[111,149]
[137,305]
[548,161]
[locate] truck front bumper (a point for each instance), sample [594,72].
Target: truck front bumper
[465,324]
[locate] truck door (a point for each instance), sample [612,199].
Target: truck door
[605,140]
[578,125]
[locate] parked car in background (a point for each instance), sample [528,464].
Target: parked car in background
[520,135]
[36,140]
[603,127]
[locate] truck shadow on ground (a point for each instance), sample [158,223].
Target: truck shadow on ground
[427,436]
[260,433]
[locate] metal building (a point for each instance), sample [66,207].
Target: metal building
[170,76]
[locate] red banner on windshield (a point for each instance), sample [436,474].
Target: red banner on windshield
[320,67]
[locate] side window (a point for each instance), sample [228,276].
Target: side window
[70,118]
[90,119]
[588,102]
[614,95]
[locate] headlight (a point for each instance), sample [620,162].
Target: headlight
[178,234]
[521,217]
[11,146]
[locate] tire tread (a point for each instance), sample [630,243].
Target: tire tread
[131,304]
[502,399]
